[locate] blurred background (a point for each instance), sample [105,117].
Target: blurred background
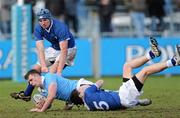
[127,18]
[107,32]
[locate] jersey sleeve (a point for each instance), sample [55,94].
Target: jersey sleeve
[63,34]
[91,89]
[38,33]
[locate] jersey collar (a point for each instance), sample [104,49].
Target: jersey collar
[48,29]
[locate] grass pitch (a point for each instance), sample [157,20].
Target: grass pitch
[164,92]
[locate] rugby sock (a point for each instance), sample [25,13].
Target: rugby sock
[65,66]
[171,63]
[29,90]
[150,55]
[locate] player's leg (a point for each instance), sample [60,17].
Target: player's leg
[141,76]
[128,67]
[135,63]
[69,61]
[158,67]
[53,68]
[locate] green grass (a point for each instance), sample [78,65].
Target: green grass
[164,92]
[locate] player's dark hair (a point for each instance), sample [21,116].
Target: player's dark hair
[32,71]
[74,98]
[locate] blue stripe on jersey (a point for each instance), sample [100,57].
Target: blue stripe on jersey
[97,99]
[64,86]
[58,32]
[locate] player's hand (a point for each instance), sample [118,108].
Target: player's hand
[35,110]
[44,69]
[40,104]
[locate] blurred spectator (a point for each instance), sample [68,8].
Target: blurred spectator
[57,7]
[1,36]
[177,4]
[137,9]
[71,14]
[156,12]
[82,13]
[39,4]
[168,7]
[5,18]
[168,12]
[106,9]
[91,2]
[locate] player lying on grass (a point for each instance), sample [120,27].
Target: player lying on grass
[57,87]
[127,96]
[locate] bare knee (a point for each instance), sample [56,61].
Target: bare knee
[127,70]
[127,66]
[145,71]
[143,74]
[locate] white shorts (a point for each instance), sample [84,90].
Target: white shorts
[129,94]
[83,81]
[52,55]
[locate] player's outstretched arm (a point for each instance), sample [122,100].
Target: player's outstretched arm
[51,95]
[40,50]
[63,56]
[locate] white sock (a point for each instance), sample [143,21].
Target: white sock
[148,56]
[169,63]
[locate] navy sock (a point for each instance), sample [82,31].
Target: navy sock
[173,62]
[152,55]
[29,90]
[65,66]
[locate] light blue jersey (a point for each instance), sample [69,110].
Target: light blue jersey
[64,86]
[97,99]
[57,32]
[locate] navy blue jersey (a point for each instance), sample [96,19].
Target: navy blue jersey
[56,33]
[96,99]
